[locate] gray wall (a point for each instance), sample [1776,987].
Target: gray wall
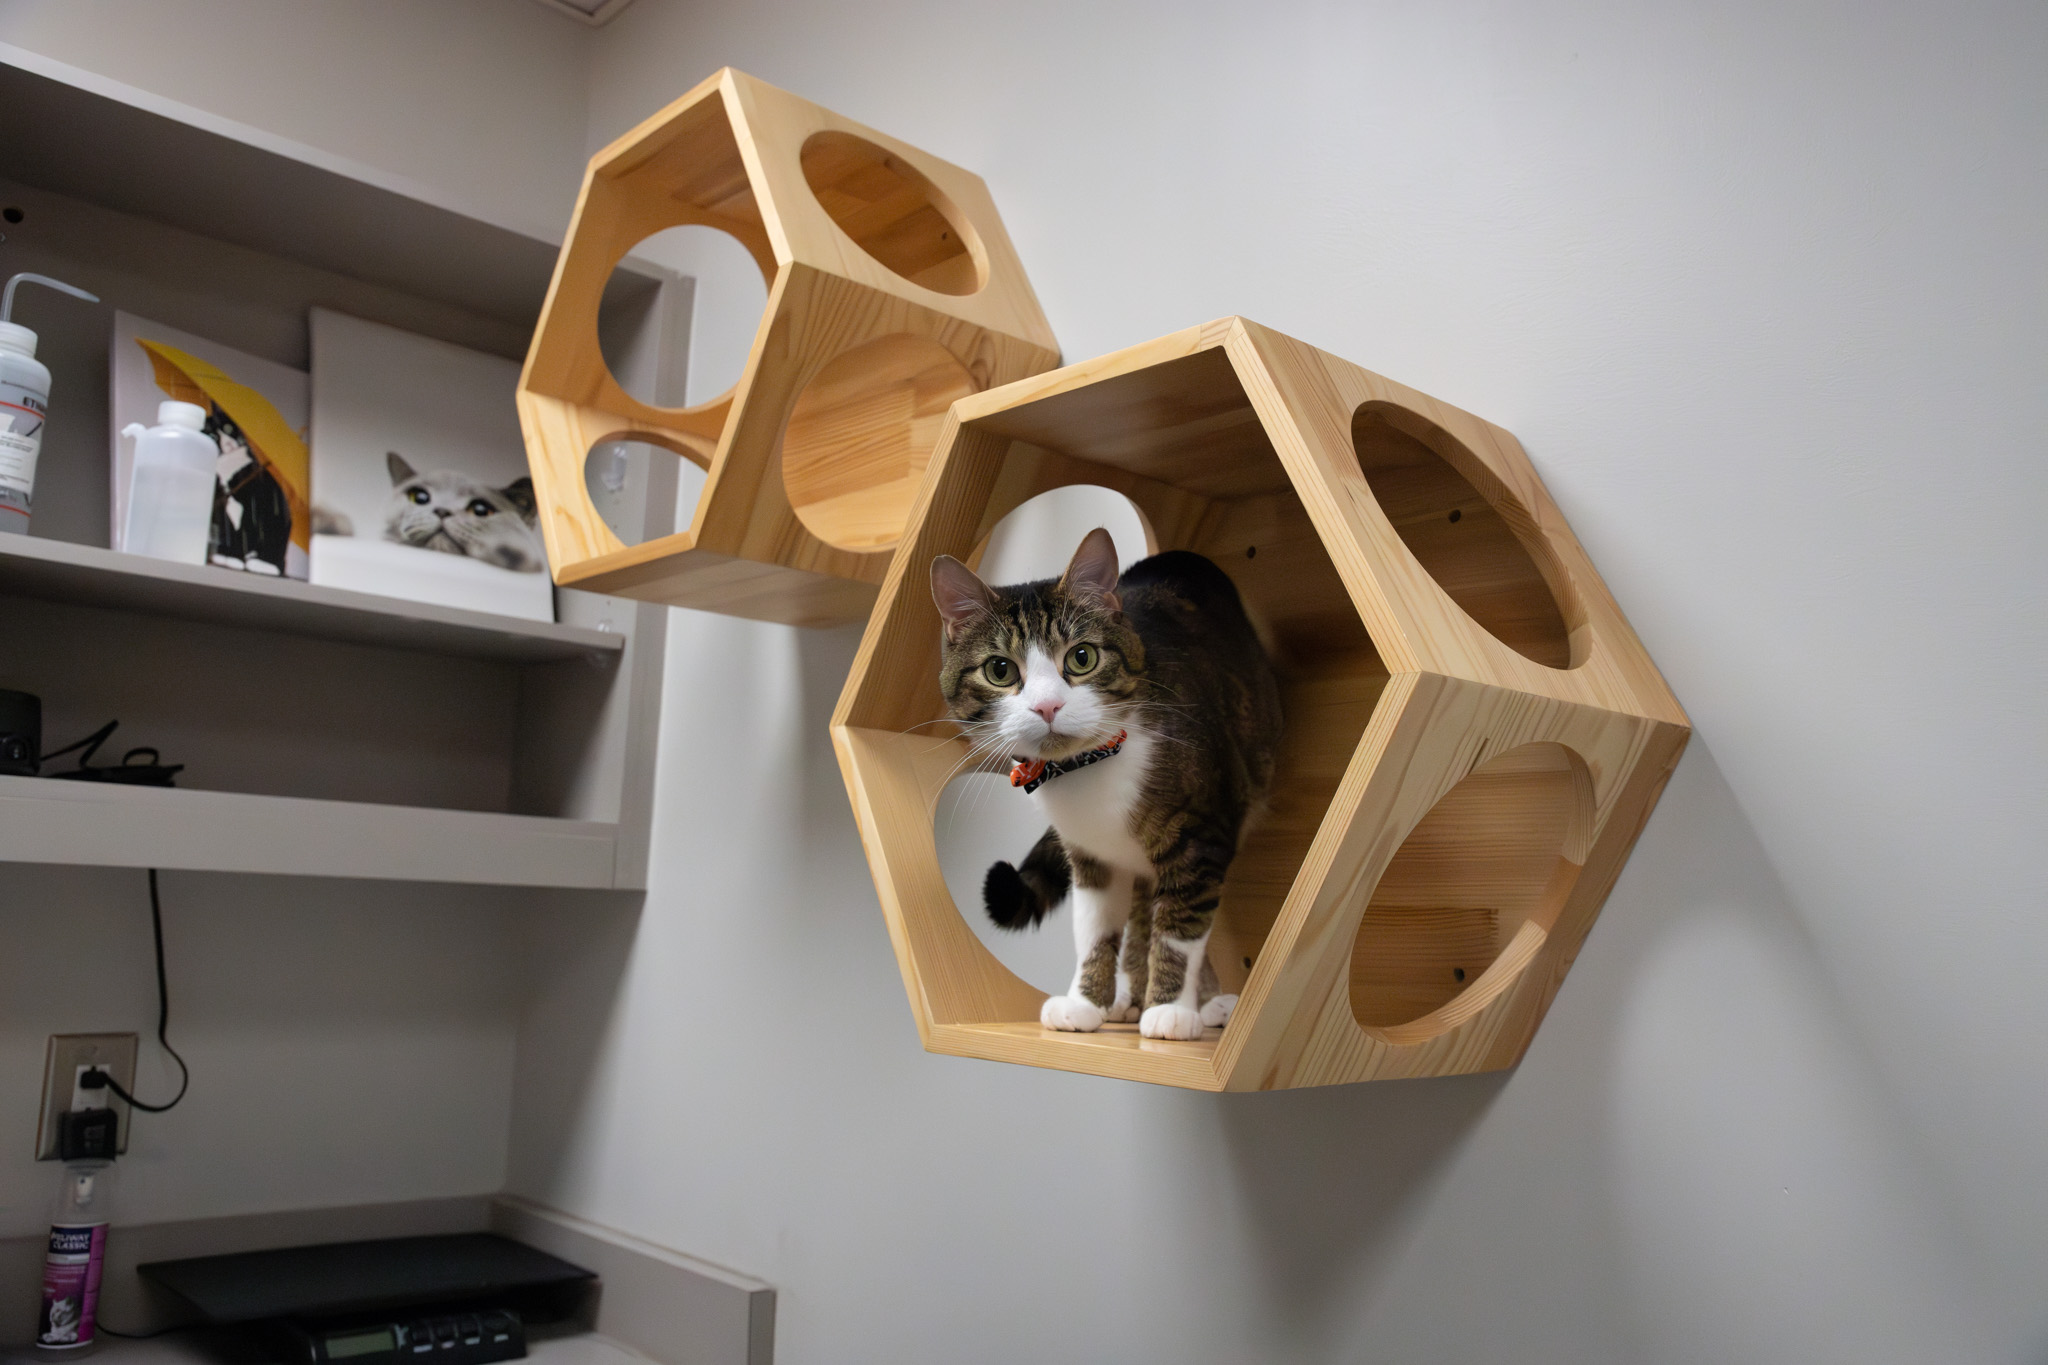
[1760,288]
[350,1042]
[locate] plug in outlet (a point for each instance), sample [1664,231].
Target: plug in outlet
[71,1055]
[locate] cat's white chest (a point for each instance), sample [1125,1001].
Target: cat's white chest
[1091,807]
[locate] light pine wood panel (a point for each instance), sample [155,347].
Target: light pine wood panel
[892,290]
[1449,813]
[1487,859]
[1460,538]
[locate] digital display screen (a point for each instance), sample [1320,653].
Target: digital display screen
[378,1340]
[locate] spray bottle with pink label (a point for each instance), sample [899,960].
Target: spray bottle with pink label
[77,1257]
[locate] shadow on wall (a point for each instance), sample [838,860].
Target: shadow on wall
[1771,1200]
[1330,1179]
[1698,1160]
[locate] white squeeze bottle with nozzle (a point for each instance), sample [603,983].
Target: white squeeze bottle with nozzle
[170,492]
[24,399]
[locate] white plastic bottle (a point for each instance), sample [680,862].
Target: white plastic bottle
[76,1259]
[24,400]
[170,491]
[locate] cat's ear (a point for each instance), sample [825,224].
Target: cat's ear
[1091,575]
[959,594]
[519,493]
[401,472]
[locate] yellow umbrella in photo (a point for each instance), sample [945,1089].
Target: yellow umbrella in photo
[271,439]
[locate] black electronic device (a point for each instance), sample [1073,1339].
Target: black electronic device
[397,1280]
[440,1338]
[21,733]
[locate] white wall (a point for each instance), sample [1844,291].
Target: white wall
[1760,287]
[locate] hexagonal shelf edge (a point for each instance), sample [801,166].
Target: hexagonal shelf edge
[892,290]
[1474,735]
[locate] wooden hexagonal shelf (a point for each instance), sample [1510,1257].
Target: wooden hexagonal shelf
[1474,735]
[892,290]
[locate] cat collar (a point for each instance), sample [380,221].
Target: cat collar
[1033,773]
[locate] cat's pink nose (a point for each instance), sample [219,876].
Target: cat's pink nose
[1047,710]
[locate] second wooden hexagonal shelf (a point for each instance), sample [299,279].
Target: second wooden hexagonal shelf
[1474,734]
[892,290]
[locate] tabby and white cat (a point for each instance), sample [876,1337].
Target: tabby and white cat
[1145,826]
[449,511]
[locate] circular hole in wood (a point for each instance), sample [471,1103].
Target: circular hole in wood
[677,319]
[981,820]
[642,491]
[1038,537]
[1480,545]
[1497,854]
[860,435]
[893,213]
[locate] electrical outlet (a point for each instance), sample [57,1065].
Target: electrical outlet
[71,1055]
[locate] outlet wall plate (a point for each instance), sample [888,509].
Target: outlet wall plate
[69,1056]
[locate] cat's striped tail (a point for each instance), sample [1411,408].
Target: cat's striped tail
[1019,897]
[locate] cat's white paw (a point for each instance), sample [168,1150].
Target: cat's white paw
[1070,1014]
[1218,1011]
[1170,1021]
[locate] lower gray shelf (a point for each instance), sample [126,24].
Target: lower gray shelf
[46,821]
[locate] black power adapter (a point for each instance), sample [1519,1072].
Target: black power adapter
[88,1134]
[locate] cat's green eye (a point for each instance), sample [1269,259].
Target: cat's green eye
[479,508]
[420,496]
[1082,659]
[999,671]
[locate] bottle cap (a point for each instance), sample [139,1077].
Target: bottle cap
[172,413]
[17,338]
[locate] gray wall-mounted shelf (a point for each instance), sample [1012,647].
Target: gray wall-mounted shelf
[43,820]
[58,571]
[323,732]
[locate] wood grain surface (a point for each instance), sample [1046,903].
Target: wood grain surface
[892,290]
[1475,736]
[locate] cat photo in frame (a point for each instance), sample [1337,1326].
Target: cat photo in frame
[256,413]
[420,485]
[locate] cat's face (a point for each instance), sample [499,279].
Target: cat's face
[234,450]
[1041,670]
[449,511]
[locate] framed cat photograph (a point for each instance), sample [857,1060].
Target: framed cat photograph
[255,413]
[420,486]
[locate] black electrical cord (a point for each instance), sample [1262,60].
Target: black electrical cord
[163,1019]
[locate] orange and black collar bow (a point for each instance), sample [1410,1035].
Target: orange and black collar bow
[1033,773]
